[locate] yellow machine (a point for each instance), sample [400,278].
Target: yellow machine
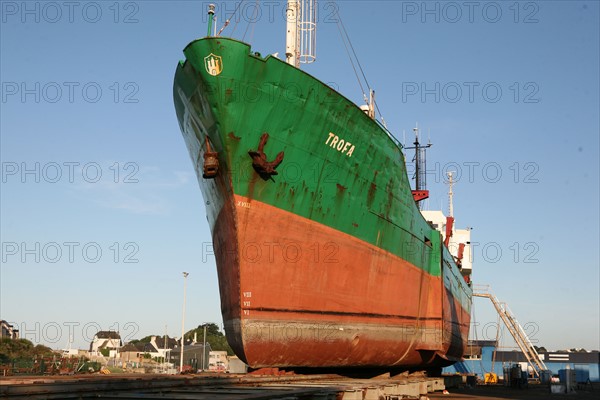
[490,378]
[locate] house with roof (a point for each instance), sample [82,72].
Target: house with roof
[105,340]
[132,352]
[8,331]
[218,361]
[158,347]
[162,346]
[192,355]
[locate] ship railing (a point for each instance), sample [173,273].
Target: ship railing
[482,290]
[382,126]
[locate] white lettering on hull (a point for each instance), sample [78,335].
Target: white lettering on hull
[339,144]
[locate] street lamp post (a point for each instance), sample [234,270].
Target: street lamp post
[185,275]
[204,349]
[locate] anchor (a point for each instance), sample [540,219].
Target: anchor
[264,168]
[211,162]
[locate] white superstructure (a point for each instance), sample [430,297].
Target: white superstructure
[458,238]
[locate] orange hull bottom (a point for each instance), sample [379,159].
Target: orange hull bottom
[295,293]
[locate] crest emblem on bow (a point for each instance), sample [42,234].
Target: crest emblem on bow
[213,64]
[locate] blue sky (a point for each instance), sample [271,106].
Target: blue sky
[101,211]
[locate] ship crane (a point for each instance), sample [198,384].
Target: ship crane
[515,329]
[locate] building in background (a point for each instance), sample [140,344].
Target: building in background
[132,353]
[161,346]
[105,340]
[480,359]
[192,356]
[8,331]
[217,361]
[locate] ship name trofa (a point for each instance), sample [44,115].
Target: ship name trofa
[340,144]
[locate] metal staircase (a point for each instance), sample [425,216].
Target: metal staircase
[515,329]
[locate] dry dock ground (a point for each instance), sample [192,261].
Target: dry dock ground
[503,393]
[289,387]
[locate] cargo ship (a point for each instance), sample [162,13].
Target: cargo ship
[324,258]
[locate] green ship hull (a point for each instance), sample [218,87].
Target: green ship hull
[324,259]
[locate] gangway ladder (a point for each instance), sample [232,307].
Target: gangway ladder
[515,329]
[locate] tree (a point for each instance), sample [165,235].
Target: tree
[214,337]
[211,329]
[42,351]
[145,339]
[12,349]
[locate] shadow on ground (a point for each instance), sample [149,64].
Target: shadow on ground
[531,393]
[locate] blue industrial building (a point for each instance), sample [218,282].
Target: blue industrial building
[478,360]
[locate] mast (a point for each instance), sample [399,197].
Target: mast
[420,176]
[419,159]
[450,218]
[292,39]
[450,195]
[372,104]
[301,32]
[211,17]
